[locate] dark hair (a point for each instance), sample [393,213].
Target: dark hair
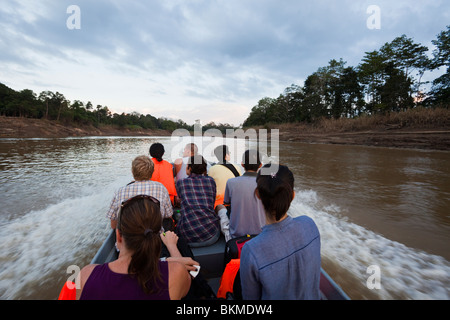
[276,190]
[197,164]
[140,224]
[251,160]
[221,152]
[157,151]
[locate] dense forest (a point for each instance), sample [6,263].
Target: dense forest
[387,80]
[54,106]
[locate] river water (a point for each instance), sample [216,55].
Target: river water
[380,207]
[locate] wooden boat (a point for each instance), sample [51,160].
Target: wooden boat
[211,262]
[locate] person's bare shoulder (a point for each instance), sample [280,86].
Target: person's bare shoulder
[83,277]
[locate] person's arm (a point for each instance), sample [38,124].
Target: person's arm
[170,239]
[227,195]
[166,205]
[188,262]
[112,211]
[180,189]
[179,281]
[176,201]
[177,165]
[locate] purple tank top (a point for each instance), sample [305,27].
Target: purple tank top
[104,284]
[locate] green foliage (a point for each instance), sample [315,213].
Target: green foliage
[440,92]
[54,106]
[387,80]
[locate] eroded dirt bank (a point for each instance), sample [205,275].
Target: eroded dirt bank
[41,128]
[383,136]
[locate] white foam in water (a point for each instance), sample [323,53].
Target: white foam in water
[405,272]
[47,241]
[43,242]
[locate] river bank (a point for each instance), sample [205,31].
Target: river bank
[418,128]
[11,127]
[422,133]
[399,138]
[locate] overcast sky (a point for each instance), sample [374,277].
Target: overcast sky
[211,60]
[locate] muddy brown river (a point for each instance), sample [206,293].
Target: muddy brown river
[375,207]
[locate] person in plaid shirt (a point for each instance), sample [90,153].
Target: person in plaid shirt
[198,224]
[142,169]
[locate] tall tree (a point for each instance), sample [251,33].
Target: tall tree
[440,92]
[410,58]
[395,93]
[61,104]
[351,93]
[372,75]
[261,113]
[27,105]
[45,97]
[294,96]
[323,92]
[314,101]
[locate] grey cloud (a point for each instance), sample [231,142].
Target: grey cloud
[234,49]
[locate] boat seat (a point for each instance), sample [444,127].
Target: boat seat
[211,258]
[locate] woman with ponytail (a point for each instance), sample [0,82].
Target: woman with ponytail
[283,261]
[138,273]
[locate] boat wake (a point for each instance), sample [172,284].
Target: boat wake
[37,248]
[405,272]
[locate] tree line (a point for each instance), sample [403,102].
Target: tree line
[55,106]
[387,80]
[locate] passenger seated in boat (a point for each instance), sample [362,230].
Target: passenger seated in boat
[223,171]
[138,273]
[283,261]
[246,211]
[180,164]
[198,223]
[142,168]
[163,171]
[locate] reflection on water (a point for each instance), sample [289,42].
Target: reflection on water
[377,206]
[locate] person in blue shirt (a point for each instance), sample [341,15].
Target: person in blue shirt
[283,262]
[246,212]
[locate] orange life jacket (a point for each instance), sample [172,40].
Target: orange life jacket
[163,173]
[219,200]
[228,277]
[67,293]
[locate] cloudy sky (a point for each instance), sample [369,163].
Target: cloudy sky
[211,60]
